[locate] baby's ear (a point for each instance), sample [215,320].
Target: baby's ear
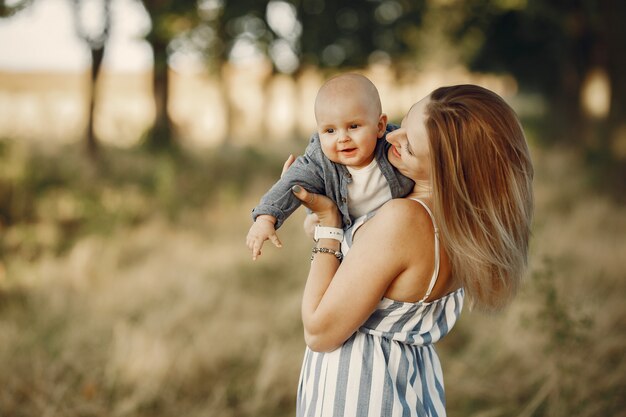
[382,125]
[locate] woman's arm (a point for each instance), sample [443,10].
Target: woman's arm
[338,298]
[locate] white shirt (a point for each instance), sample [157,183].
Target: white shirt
[368,190]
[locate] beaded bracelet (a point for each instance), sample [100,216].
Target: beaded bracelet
[336,253]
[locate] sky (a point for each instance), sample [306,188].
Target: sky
[42,38]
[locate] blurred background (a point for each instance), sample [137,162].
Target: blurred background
[136,136]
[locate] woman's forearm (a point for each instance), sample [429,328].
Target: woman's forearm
[317,325]
[318,329]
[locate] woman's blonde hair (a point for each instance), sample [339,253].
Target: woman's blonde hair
[482,190]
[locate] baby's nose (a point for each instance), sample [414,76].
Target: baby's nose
[344,137]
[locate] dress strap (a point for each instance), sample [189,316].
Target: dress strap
[433,279]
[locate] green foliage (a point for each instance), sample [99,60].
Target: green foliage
[537,43]
[334,34]
[555,318]
[345,33]
[552,48]
[74,197]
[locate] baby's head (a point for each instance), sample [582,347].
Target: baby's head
[349,119]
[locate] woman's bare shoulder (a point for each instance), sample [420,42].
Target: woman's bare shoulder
[406,208]
[400,215]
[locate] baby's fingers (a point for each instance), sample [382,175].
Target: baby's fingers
[256,249]
[254,244]
[276,241]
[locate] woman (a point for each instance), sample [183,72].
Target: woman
[370,321]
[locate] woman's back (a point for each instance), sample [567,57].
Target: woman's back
[421,262]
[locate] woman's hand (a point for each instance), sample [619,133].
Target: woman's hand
[323,207]
[311,220]
[287,164]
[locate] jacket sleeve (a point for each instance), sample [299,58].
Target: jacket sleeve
[279,201]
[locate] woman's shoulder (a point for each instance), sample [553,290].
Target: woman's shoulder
[405,207]
[402,214]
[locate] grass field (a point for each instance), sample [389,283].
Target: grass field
[126,290]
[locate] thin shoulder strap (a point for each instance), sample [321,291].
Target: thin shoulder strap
[433,279]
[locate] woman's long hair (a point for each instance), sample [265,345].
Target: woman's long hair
[482,190]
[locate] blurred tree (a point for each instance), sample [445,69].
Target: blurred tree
[350,33]
[9,8]
[292,33]
[206,29]
[169,18]
[615,34]
[329,34]
[552,47]
[96,40]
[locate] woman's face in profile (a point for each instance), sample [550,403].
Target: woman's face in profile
[410,152]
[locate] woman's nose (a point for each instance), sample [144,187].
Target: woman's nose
[391,136]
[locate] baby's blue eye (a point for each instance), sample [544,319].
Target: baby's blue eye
[353,126]
[330,130]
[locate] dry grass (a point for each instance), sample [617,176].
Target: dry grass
[157,310]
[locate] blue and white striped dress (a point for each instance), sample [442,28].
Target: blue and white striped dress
[387,368]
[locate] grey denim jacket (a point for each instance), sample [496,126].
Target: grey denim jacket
[316,173]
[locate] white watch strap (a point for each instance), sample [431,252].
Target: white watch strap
[322,232]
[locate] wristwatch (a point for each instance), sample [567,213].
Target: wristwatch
[322,232]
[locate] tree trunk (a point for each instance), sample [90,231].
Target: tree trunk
[97,56]
[615,34]
[615,136]
[161,134]
[568,115]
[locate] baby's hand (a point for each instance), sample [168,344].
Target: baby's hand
[262,230]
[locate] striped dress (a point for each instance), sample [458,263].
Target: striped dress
[389,367]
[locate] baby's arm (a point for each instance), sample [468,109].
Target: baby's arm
[261,230]
[279,202]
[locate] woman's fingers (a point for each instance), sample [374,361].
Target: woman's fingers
[312,201]
[307,198]
[325,208]
[287,164]
[310,221]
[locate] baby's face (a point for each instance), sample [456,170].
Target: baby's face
[349,128]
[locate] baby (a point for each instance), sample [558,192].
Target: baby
[345,160]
